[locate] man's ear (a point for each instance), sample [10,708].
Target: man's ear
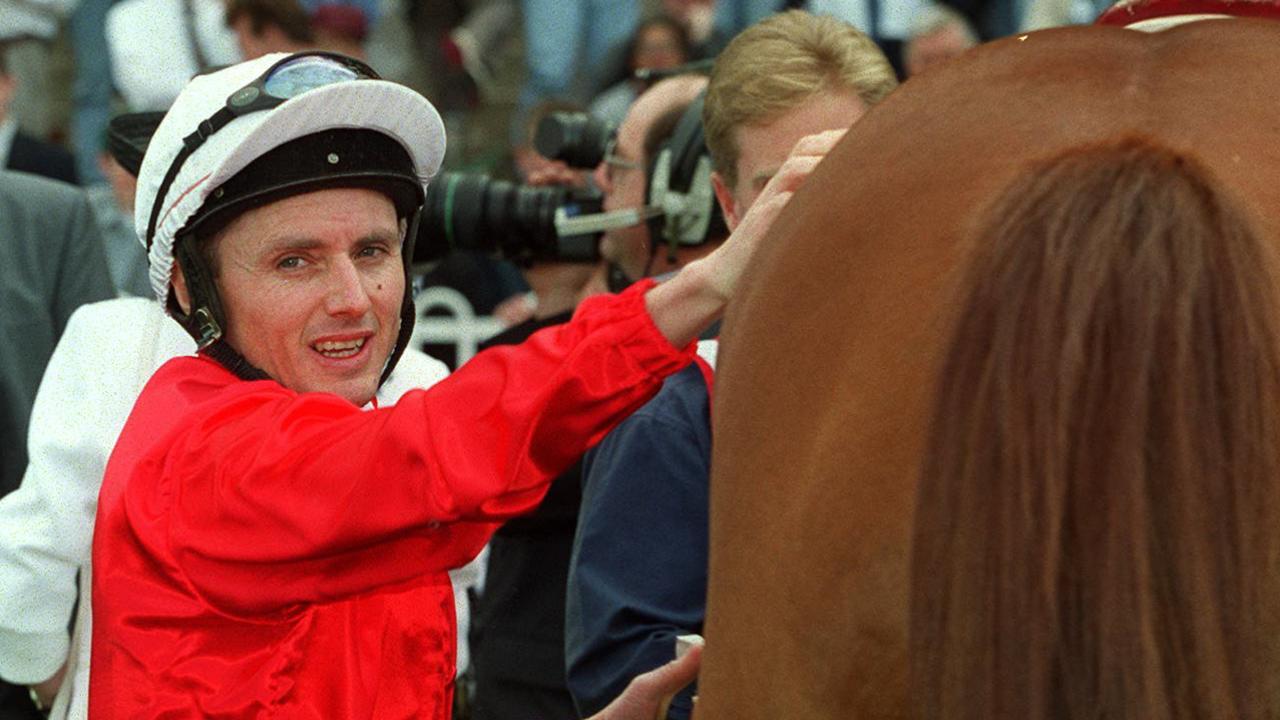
[180,289]
[724,196]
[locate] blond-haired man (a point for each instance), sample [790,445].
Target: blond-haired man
[779,97]
[792,75]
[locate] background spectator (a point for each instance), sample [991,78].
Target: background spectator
[113,201]
[565,42]
[473,42]
[938,34]
[158,45]
[340,26]
[267,26]
[519,651]
[51,263]
[1040,14]
[113,209]
[19,150]
[659,43]
[28,29]
[91,89]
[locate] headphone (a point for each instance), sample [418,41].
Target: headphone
[679,183]
[680,207]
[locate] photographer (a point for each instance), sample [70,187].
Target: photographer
[783,91]
[518,637]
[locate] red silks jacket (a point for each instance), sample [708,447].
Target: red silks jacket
[261,553]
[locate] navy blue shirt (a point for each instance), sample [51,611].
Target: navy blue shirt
[638,573]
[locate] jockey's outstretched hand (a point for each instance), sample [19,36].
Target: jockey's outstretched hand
[741,245]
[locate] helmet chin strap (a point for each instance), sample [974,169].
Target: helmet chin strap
[206,320]
[408,313]
[226,356]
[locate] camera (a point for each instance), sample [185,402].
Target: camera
[475,212]
[577,139]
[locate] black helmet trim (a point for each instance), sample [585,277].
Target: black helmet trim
[331,158]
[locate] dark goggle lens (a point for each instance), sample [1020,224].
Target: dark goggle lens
[307,73]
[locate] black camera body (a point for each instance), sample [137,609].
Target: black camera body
[680,204]
[557,224]
[575,138]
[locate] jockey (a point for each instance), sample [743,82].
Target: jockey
[262,546]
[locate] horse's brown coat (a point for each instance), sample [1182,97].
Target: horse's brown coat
[828,366]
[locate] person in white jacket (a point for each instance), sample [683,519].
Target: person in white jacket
[107,353]
[156,46]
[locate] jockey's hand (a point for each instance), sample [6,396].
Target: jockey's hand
[741,245]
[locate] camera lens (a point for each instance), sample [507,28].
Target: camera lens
[576,138]
[474,212]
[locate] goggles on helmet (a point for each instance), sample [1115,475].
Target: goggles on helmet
[288,78]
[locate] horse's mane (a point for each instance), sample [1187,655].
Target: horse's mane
[1097,523]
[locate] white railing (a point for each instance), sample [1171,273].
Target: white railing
[461,328]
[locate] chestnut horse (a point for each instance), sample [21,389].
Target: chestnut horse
[995,421]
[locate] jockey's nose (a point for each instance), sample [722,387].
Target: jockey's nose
[347,293]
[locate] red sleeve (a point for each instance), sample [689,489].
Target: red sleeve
[269,498]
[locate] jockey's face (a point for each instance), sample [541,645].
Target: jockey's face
[312,287]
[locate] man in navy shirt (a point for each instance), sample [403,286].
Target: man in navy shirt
[638,573]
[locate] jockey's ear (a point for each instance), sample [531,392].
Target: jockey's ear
[180,289]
